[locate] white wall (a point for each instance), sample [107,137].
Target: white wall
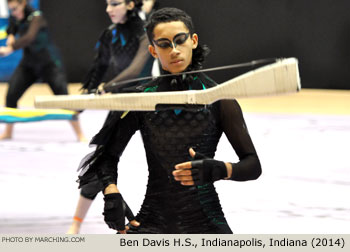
[3,9]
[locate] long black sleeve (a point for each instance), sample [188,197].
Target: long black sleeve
[100,63]
[107,163]
[234,127]
[136,66]
[36,24]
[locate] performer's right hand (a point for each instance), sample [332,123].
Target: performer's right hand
[115,211]
[5,50]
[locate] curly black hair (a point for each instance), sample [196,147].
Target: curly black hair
[166,15]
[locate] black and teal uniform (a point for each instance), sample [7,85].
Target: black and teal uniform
[167,134]
[40,60]
[121,54]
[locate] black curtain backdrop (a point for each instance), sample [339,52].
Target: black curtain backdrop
[75,26]
[316,32]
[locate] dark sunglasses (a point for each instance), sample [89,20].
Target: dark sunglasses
[178,39]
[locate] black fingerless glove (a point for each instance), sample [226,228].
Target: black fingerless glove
[207,170]
[116,210]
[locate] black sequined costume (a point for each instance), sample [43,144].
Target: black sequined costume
[40,58]
[121,49]
[167,134]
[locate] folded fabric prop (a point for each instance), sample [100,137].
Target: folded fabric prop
[13,115]
[280,77]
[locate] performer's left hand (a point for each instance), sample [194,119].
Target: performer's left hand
[5,51]
[201,171]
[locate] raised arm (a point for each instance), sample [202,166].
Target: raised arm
[100,63]
[135,68]
[35,25]
[11,44]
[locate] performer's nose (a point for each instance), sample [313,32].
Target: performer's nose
[108,9]
[174,50]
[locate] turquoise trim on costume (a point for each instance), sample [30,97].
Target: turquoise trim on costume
[203,191]
[115,38]
[97,45]
[122,38]
[151,89]
[195,78]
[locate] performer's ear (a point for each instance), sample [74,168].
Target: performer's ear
[130,5]
[152,51]
[194,40]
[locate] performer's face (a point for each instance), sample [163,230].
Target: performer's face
[173,45]
[17,9]
[117,9]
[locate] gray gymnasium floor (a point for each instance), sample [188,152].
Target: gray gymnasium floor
[304,187]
